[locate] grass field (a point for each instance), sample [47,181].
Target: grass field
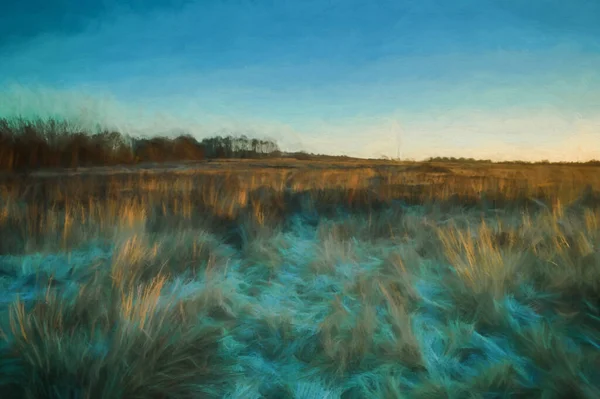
[290,279]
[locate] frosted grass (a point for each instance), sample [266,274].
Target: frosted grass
[279,311]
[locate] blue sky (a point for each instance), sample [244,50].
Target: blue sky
[499,79]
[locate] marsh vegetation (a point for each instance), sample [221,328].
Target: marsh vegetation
[280,278]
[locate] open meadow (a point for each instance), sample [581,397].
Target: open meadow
[294,279]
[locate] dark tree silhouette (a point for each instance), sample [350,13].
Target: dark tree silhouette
[29,145]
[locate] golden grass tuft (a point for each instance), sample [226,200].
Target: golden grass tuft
[113,343]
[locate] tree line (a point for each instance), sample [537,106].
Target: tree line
[51,143]
[27,144]
[593,162]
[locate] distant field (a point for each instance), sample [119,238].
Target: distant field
[281,278]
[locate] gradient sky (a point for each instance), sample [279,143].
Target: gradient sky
[500,79]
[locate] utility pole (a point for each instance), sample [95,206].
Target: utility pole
[398,130]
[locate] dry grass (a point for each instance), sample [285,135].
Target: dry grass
[288,279]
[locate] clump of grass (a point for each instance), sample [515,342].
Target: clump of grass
[183,253]
[370,324]
[479,262]
[560,368]
[111,343]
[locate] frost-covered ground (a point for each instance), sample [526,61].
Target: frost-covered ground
[412,302]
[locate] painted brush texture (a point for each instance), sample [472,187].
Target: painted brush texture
[147,292]
[133,275]
[492,79]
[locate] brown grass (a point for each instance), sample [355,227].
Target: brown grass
[282,278]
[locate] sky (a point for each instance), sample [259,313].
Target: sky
[499,79]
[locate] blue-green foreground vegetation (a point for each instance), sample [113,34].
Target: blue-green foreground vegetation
[291,279]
